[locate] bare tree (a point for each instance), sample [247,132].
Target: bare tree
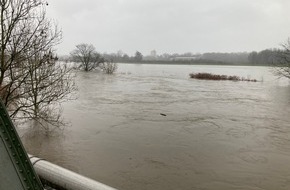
[282,61]
[49,83]
[87,56]
[138,56]
[26,61]
[109,67]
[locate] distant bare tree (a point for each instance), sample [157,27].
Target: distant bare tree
[27,39]
[282,67]
[109,67]
[87,55]
[138,56]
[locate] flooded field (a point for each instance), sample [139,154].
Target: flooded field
[152,127]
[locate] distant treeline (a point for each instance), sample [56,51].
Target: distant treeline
[265,57]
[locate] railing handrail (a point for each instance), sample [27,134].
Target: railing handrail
[64,178]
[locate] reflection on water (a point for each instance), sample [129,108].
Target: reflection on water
[215,135]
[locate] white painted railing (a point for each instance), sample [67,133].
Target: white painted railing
[64,178]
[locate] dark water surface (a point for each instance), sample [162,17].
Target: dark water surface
[216,135]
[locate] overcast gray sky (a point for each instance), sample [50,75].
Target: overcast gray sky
[172,25]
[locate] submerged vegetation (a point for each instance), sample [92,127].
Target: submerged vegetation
[109,67]
[88,59]
[87,56]
[210,76]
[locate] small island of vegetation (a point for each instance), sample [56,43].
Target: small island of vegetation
[210,76]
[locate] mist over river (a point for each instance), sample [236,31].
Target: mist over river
[152,127]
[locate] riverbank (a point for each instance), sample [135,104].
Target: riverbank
[190,63]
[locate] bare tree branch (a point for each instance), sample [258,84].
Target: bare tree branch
[282,67]
[87,56]
[32,83]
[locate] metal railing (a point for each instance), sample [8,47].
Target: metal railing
[64,179]
[16,172]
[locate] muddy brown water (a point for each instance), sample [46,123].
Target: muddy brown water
[151,127]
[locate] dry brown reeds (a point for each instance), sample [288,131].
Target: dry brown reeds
[210,76]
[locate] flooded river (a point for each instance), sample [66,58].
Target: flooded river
[151,127]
